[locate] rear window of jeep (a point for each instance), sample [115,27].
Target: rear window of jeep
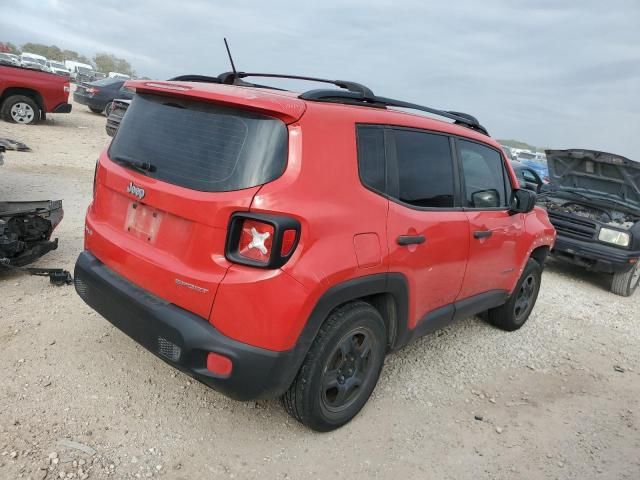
[201,146]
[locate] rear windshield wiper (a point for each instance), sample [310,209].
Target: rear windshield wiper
[142,167]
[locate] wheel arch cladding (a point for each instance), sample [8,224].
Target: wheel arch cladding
[387,292]
[540,254]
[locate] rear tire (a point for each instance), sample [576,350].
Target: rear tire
[625,283]
[341,369]
[108,109]
[96,110]
[515,312]
[20,109]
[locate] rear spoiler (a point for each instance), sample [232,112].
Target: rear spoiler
[286,108]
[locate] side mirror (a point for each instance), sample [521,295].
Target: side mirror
[486,198]
[522,201]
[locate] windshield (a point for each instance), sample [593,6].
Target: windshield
[57,65]
[526,156]
[201,146]
[85,70]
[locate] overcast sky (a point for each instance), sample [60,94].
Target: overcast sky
[552,73]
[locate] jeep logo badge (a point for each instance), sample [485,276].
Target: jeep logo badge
[135,191]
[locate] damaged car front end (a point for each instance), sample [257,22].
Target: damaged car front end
[26,229]
[593,201]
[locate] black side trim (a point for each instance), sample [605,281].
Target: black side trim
[443,316]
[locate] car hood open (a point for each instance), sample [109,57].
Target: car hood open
[599,173]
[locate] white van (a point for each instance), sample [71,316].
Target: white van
[118,75]
[80,72]
[32,60]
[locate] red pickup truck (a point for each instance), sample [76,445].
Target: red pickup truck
[27,95]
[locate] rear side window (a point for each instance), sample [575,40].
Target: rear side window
[201,146]
[425,169]
[484,176]
[371,157]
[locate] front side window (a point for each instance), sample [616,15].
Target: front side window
[484,176]
[425,169]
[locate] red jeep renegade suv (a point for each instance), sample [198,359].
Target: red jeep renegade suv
[276,244]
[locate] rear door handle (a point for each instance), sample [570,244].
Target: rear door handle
[410,239]
[482,233]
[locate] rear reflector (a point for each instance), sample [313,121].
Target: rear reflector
[219,364]
[288,241]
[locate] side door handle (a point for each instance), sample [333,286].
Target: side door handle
[410,239]
[482,233]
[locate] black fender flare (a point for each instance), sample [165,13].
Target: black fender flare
[394,284]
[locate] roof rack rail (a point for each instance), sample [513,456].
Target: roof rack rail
[231,78]
[355,94]
[351,97]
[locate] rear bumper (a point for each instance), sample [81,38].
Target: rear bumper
[91,102]
[593,255]
[179,337]
[63,108]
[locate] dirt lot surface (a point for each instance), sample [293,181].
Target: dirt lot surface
[559,399]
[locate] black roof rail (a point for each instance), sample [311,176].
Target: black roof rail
[231,78]
[334,96]
[353,94]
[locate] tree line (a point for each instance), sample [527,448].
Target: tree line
[104,62]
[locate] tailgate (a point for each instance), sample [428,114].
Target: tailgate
[166,188]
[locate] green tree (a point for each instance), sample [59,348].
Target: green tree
[75,56]
[106,62]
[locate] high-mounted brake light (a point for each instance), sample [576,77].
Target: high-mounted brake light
[261,240]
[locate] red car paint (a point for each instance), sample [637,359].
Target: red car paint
[50,91]
[172,244]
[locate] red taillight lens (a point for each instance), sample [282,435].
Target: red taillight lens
[92,90]
[256,239]
[288,241]
[261,240]
[219,364]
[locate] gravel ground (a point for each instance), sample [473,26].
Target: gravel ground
[558,399]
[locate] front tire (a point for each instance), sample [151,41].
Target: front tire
[625,283]
[21,109]
[341,369]
[515,312]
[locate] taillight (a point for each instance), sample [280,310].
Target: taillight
[256,240]
[261,240]
[93,90]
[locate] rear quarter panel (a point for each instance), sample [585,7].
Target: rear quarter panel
[49,86]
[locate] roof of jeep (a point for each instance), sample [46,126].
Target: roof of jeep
[288,105]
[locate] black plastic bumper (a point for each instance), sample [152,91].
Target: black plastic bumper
[179,337]
[594,255]
[63,108]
